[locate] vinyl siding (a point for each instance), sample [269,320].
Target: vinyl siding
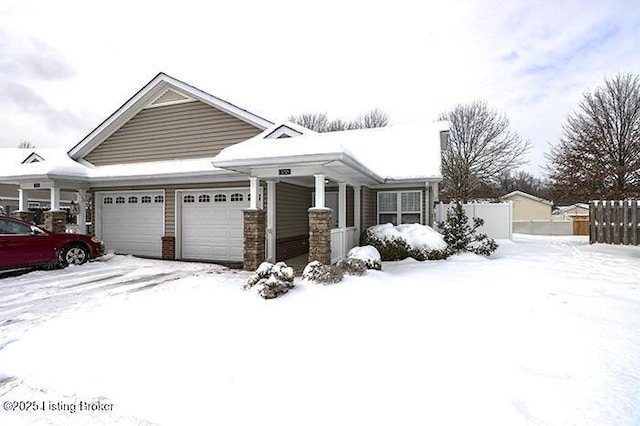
[369,207]
[185,130]
[292,203]
[350,221]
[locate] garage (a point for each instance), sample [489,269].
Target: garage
[211,224]
[131,222]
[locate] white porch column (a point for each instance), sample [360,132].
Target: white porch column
[55,199]
[271,221]
[342,216]
[81,218]
[356,208]
[342,205]
[22,200]
[254,184]
[436,196]
[319,191]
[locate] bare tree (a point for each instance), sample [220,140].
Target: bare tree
[521,180]
[26,144]
[480,148]
[317,121]
[371,119]
[320,122]
[598,155]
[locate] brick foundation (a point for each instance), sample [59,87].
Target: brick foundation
[254,239]
[169,248]
[289,247]
[55,221]
[26,216]
[320,235]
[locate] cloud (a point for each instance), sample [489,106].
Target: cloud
[33,104]
[31,58]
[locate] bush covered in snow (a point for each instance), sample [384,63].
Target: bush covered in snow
[411,240]
[368,254]
[462,237]
[352,266]
[322,274]
[271,280]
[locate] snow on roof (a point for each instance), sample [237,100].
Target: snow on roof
[12,156]
[526,195]
[67,167]
[395,152]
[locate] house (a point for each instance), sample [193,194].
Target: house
[579,211]
[39,199]
[177,173]
[528,207]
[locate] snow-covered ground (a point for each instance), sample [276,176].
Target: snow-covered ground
[543,332]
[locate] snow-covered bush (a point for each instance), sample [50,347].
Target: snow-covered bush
[420,242]
[352,266]
[322,274]
[368,254]
[271,280]
[462,237]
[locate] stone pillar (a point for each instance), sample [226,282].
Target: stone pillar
[23,215]
[55,221]
[169,248]
[254,236]
[320,235]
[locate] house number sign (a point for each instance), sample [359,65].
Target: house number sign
[282,172]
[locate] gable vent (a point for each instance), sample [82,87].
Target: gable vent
[170,97]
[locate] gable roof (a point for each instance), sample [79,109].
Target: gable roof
[162,86]
[526,195]
[402,152]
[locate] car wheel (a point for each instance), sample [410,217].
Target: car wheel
[73,254]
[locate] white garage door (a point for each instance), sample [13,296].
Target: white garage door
[212,224]
[131,222]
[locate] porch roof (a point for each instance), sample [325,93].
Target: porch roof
[395,153]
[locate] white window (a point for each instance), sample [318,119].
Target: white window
[399,207]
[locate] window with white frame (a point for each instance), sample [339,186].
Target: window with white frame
[399,207]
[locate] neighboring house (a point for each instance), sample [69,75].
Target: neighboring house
[574,211]
[177,173]
[39,199]
[528,207]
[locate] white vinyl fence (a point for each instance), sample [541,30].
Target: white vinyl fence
[543,227]
[497,217]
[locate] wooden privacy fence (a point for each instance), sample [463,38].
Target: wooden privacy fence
[614,222]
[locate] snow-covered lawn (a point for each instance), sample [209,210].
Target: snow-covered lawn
[543,332]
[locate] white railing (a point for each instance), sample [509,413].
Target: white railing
[343,240]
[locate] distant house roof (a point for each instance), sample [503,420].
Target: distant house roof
[564,209]
[526,195]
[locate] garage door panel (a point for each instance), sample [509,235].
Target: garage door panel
[213,230]
[130,227]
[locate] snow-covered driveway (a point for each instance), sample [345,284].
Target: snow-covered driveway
[543,332]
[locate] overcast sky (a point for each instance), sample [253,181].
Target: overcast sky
[66,65]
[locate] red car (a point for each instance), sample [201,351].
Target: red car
[23,245]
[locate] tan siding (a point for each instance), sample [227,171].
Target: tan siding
[169,198]
[525,208]
[186,130]
[292,203]
[350,221]
[369,207]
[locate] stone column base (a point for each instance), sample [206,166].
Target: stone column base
[320,235]
[254,239]
[26,216]
[169,248]
[55,221]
